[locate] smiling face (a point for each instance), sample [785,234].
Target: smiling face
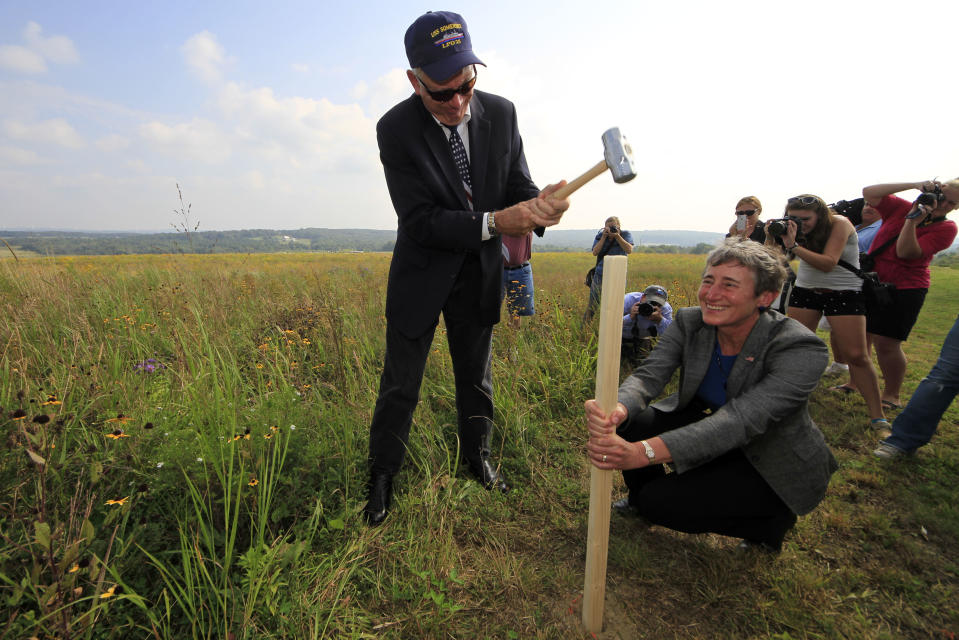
[451,112]
[727,297]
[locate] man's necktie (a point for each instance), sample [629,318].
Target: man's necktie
[462,162]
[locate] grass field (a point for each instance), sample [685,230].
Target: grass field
[184,456]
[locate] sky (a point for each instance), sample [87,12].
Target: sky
[264,113]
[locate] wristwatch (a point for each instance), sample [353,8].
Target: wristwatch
[649,450]
[491,223]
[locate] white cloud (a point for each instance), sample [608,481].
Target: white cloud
[33,58]
[205,56]
[198,139]
[300,68]
[21,60]
[55,131]
[386,91]
[301,131]
[113,142]
[18,156]
[57,49]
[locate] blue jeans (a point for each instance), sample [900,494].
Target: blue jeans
[518,284]
[917,423]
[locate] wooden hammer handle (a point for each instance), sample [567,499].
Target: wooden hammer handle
[566,190]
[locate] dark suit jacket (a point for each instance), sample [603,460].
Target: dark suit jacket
[435,226]
[766,412]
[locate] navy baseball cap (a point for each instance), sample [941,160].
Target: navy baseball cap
[439,44]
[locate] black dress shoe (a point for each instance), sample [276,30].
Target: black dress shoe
[488,475]
[380,491]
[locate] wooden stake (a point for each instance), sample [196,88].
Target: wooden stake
[601,480]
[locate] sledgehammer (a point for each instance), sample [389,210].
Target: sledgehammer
[617,157]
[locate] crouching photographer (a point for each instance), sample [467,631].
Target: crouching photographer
[646,314]
[912,233]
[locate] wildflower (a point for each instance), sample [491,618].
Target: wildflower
[159,465]
[267,436]
[19,414]
[149,365]
[120,418]
[292,427]
[108,593]
[274,428]
[74,568]
[253,482]
[199,459]
[51,399]
[259,365]
[41,419]
[148,425]
[119,501]
[117,434]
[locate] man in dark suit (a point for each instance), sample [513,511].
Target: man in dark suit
[458,179]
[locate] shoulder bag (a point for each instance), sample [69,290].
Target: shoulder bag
[878,293]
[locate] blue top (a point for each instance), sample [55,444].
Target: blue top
[712,390]
[866,234]
[615,250]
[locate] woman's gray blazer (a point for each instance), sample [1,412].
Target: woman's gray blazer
[766,413]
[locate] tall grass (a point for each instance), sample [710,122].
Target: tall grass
[185,456]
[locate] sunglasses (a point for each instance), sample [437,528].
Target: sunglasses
[806,201]
[656,291]
[746,212]
[445,95]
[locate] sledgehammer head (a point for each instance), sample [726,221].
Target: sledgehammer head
[619,156]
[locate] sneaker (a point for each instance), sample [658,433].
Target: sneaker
[835,369]
[889,452]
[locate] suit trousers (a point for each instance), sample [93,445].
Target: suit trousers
[725,495]
[403,368]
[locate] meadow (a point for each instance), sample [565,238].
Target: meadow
[184,456]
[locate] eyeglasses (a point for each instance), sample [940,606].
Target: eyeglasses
[806,201]
[746,212]
[445,95]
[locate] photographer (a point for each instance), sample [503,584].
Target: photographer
[820,239]
[748,224]
[646,314]
[911,234]
[611,240]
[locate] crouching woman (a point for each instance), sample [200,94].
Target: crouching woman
[747,456]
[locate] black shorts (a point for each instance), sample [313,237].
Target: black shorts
[896,320]
[829,301]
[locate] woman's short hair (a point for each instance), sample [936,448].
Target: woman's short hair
[767,267]
[614,220]
[816,239]
[752,201]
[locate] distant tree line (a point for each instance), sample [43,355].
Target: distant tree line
[63,243]
[60,243]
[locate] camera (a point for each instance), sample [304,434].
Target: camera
[851,209]
[779,227]
[645,309]
[931,198]
[613,229]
